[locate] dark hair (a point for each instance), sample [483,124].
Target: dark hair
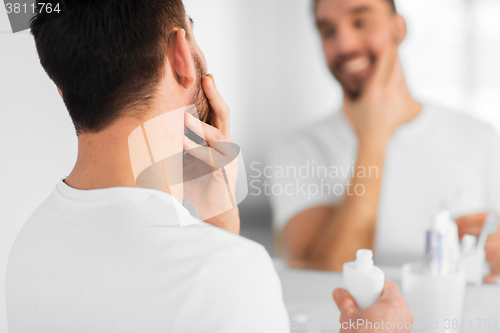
[390,2]
[107,56]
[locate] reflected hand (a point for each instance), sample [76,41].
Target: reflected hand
[381,107]
[472,225]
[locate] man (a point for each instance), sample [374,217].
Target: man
[101,254]
[374,175]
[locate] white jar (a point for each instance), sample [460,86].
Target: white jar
[363,280]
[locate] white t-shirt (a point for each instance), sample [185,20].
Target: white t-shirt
[117,260]
[441,159]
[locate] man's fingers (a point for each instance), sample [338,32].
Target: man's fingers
[211,135]
[384,68]
[492,250]
[492,279]
[390,288]
[219,107]
[394,304]
[211,76]
[203,130]
[471,224]
[345,302]
[391,298]
[206,154]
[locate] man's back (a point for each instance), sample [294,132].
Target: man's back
[117,260]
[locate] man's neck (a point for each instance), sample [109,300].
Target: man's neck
[410,106]
[103,159]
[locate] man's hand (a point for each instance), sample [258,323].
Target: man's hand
[382,106]
[472,225]
[389,314]
[213,196]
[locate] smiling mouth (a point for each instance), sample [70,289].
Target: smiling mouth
[357,66]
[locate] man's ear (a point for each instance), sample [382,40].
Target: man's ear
[183,60]
[400,29]
[60,93]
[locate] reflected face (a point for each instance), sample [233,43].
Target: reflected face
[353,33]
[198,97]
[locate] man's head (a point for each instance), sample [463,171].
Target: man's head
[110,58]
[354,32]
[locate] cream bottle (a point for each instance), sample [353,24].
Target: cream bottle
[363,280]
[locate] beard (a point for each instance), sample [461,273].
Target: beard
[198,98]
[353,87]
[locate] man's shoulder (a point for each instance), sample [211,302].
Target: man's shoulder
[325,133]
[148,217]
[461,120]
[325,126]
[206,241]
[458,124]
[225,243]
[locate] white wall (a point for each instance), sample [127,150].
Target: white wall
[268,65]
[451,54]
[37,143]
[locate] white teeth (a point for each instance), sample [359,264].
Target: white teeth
[356,65]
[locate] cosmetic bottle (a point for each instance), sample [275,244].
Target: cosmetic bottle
[442,250]
[363,280]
